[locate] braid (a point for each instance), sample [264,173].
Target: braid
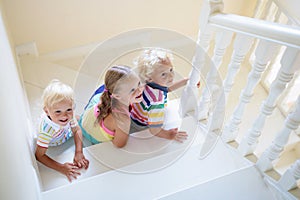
[105,106]
[112,76]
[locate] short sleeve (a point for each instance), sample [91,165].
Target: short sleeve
[156,115]
[43,139]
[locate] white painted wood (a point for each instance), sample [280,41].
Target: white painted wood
[289,178]
[242,45]
[279,33]
[263,54]
[290,8]
[292,122]
[230,186]
[190,92]
[189,97]
[209,96]
[122,183]
[264,10]
[289,64]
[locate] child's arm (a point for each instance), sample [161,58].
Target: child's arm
[122,124]
[120,139]
[178,84]
[68,169]
[172,134]
[79,158]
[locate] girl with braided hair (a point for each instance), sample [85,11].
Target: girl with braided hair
[107,116]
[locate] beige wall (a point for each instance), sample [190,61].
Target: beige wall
[61,24]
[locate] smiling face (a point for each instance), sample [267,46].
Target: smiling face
[163,75]
[130,90]
[60,113]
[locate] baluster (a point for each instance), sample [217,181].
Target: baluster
[263,53]
[292,122]
[190,92]
[286,92]
[289,64]
[261,8]
[214,125]
[242,45]
[207,100]
[289,179]
[188,100]
[270,11]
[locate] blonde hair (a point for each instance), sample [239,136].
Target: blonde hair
[56,92]
[112,81]
[150,59]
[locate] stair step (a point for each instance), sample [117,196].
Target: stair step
[230,186]
[151,178]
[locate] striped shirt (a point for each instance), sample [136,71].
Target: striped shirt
[52,134]
[150,111]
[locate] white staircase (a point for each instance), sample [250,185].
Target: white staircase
[149,169]
[252,156]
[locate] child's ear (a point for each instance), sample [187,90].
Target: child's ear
[46,110]
[149,79]
[116,96]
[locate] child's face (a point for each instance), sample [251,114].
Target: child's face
[61,113]
[131,91]
[163,75]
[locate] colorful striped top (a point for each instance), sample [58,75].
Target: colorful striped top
[150,111]
[93,131]
[52,134]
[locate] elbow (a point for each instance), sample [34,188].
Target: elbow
[120,144]
[37,156]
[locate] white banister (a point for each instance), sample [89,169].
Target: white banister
[278,33]
[292,122]
[263,54]
[289,64]
[289,179]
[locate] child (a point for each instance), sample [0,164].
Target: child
[156,69]
[57,125]
[107,117]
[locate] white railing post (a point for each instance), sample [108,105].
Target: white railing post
[207,101]
[289,179]
[292,122]
[289,63]
[263,54]
[242,45]
[190,92]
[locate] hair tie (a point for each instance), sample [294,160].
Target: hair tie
[106,90]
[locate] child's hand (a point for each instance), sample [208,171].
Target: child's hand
[176,135]
[70,170]
[80,160]
[180,136]
[73,124]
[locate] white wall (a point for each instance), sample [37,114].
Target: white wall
[18,177]
[55,25]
